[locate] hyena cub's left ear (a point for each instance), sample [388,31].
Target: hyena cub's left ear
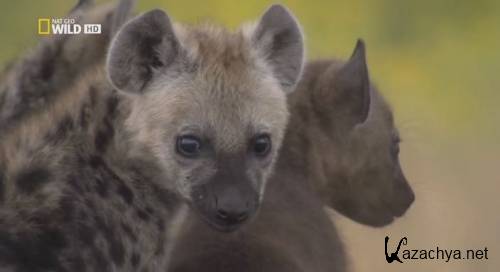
[142,49]
[352,85]
[344,94]
[279,36]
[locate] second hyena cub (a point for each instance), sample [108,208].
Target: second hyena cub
[194,116]
[356,150]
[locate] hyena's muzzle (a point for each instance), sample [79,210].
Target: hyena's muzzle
[228,199]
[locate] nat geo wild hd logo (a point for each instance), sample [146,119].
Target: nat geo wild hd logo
[65,26]
[435,253]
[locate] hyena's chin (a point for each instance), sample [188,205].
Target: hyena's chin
[224,211]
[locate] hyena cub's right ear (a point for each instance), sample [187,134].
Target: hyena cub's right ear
[143,48]
[279,37]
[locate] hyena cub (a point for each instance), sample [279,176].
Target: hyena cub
[194,116]
[356,165]
[32,82]
[342,143]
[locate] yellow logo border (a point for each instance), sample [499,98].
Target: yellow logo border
[41,21]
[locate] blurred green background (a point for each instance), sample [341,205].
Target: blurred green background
[437,62]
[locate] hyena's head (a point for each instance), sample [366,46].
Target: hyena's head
[210,104]
[360,145]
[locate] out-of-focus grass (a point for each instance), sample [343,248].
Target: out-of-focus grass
[438,64]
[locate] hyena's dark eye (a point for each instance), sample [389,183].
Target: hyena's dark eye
[188,146]
[262,145]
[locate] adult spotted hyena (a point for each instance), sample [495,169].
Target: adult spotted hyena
[194,116]
[341,150]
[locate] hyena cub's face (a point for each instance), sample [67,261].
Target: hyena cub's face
[366,183]
[210,104]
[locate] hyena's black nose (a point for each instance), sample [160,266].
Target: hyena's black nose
[232,216]
[232,208]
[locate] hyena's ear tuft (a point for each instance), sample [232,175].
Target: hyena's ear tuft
[348,92]
[279,36]
[144,46]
